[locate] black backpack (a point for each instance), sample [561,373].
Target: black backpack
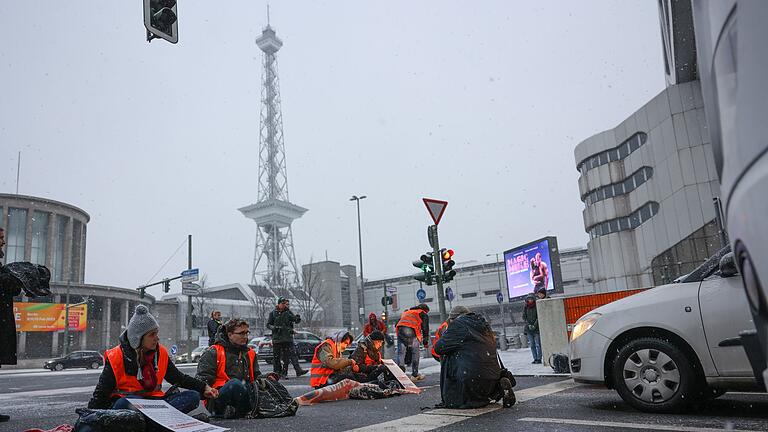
[559,363]
[270,399]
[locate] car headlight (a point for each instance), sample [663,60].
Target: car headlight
[583,324]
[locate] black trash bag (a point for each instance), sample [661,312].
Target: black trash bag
[34,279]
[109,420]
[270,399]
[559,363]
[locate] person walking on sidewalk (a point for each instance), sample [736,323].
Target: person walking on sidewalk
[281,321]
[137,367]
[470,373]
[412,331]
[531,330]
[15,277]
[213,326]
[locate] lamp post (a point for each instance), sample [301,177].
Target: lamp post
[360,246]
[501,305]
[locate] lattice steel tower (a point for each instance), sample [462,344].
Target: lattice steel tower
[274,260]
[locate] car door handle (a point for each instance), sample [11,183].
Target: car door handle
[730,342]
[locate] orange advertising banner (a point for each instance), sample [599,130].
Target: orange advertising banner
[48,317]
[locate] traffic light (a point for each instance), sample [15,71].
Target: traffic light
[166,285]
[161,20]
[448,263]
[426,264]
[141,292]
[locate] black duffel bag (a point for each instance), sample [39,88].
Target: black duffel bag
[109,420]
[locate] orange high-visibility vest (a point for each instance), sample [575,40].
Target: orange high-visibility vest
[438,333]
[221,366]
[369,361]
[128,384]
[411,318]
[318,375]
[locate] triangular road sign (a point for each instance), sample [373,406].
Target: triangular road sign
[436,208]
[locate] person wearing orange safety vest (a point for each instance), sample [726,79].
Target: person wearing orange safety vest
[137,367]
[411,331]
[438,333]
[328,366]
[229,366]
[368,356]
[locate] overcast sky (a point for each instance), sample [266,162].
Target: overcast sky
[478,103]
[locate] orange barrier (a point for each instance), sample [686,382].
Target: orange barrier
[576,307]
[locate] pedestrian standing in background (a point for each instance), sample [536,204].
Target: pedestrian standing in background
[213,326]
[281,321]
[531,330]
[374,324]
[15,277]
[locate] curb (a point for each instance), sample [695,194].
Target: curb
[549,375]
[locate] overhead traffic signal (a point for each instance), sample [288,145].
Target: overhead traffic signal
[447,260]
[426,264]
[166,285]
[161,20]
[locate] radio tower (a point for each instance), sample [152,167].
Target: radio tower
[274,260]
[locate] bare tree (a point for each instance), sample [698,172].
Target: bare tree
[311,298]
[262,307]
[201,304]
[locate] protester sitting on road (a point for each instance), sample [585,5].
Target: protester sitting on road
[531,329]
[368,356]
[329,367]
[411,331]
[455,312]
[470,374]
[136,368]
[229,366]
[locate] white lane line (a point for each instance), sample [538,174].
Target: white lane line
[438,418]
[44,393]
[624,426]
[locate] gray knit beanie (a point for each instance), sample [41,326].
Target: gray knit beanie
[141,322]
[458,311]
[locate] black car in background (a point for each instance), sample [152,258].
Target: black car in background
[305,346]
[77,359]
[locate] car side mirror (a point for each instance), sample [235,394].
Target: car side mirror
[728,265]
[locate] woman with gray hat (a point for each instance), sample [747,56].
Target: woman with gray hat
[137,366]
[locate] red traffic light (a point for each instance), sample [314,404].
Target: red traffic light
[447,254]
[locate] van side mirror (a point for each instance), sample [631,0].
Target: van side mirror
[728,265]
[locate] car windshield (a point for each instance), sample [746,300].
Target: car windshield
[708,268]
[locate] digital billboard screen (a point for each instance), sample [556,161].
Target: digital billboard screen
[532,266]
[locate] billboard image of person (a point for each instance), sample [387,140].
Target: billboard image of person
[529,267]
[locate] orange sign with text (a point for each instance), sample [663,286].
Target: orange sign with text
[48,317]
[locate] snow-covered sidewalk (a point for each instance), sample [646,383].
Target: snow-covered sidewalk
[518,361]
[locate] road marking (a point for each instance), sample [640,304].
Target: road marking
[44,393]
[623,426]
[438,418]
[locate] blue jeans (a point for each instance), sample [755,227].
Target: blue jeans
[534,341]
[406,337]
[234,393]
[184,401]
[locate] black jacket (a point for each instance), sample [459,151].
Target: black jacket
[8,289]
[213,327]
[530,317]
[281,323]
[237,366]
[366,349]
[102,394]
[470,370]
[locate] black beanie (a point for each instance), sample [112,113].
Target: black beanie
[377,335]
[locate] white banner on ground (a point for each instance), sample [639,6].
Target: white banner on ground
[171,418]
[401,376]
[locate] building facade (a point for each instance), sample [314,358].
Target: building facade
[335,288]
[648,187]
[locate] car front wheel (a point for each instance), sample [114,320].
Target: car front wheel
[654,375]
[93,365]
[59,367]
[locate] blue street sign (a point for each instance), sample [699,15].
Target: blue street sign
[191,275]
[449,294]
[421,294]
[174,349]
[500,297]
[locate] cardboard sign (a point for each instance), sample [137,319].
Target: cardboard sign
[171,418]
[406,382]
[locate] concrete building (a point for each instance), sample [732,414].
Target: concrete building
[475,286]
[52,233]
[335,287]
[648,184]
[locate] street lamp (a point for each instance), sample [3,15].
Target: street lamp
[501,305]
[360,246]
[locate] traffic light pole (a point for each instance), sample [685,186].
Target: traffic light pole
[189,302]
[386,314]
[433,240]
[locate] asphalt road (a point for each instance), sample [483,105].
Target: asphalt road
[47,399]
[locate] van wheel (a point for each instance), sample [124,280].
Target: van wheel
[654,375]
[59,367]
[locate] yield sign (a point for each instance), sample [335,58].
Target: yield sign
[436,208]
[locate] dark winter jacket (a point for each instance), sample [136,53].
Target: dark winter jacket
[470,371]
[8,289]
[530,316]
[238,363]
[102,394]
[213,327]
[366,349]
[281,323]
